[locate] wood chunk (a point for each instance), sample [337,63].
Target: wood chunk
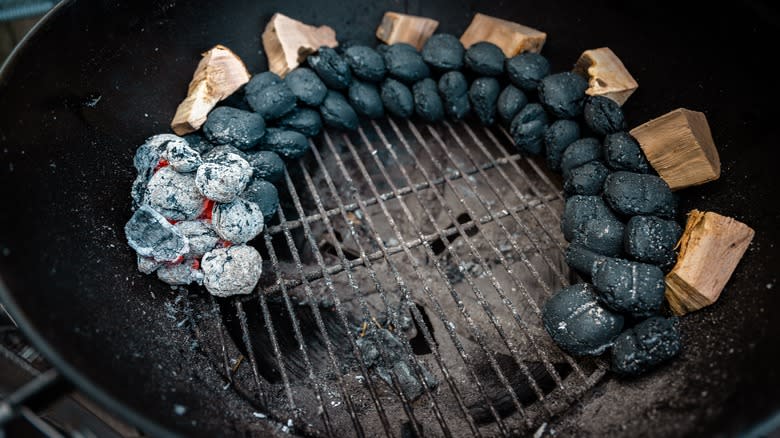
[606,75]
[401,28]
[680,148]
[511,37]
[710,249]
[287,42]
[219,73]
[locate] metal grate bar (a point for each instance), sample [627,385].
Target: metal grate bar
[277,350]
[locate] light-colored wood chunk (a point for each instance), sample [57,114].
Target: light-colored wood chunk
[287,42]
[511,37]
[680,148]
[401,28]
[219,73]
[710,249]
[606,75]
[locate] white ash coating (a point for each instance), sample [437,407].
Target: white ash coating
[181,157]
[147,265]
[180,274]
[151,235]
[231,271]
[201,236]
[238,221]
[174,194]
[222,181]
[148,154]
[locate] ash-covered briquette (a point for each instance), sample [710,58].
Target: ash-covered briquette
[580,152]
[582,259]
[483,95]
[222,181]
[181,157]
[331,68]
[266,165]
[646,345]
[405,63]
[138,191]
[234,270]
[147,265]
[602,236]
[563,94]
[603,115]
[454,90]
[558,136]
[174,194]
[629,287]
[151,235]
[651,239]
[220,153]
[622,152]
[366,63]
[526,70]
[528,128]
[397,98]
[337,112]
[384,353]
[265,195]
[427,103]
[288,144]
[443,52]
[581,209]
[307,121]
[306,86]
[587,179]
[365,99]
[485,59]
[234,127]
[578,323]
[632,194]
[510,102]
[239,221]
[148,155]
[181,274]
[198,142]
[269,96]
[201,236]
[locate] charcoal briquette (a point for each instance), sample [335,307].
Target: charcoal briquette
[578,323]
[563,94]
[264,195]
[366,63]
[397,98]
[260,81]
[454,89]
[180,274]
[579,210]
[558,136]
[233,270]
[603,115]
[307,121]
[181,157]
[222,181]
[483,95]
[148,155]
[427,103]
[603,236]
[587,179]
[485,59]
[234,127]
[151,235]
[405,63]
[138,190]
[622,152]
[443,52]
[220,153]
[650,239]
[580,152]
[646,345]
[582,259]
[632,288]
[331,68]
[365,99]
[526,70]
[266,165]
[510,102]
[238,221]
[528,128]
[632,194]
[290,145]
[269,96]
[306,86]
[201,236]
[174,194]
[198,142]
[337,113]
[147,265]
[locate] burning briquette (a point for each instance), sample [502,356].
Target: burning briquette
[238,221]
[151,235]
[174,194]
[224,180]
[233,270]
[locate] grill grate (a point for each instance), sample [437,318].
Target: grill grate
[441,222]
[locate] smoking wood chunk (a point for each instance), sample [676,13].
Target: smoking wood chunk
[607,76]
[287,42]
[710,249]
[402,28]
[219,73]
[512,38]
[680,148]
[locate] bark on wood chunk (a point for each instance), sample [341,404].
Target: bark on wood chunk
[680,148]
[606,75]
[219,73]
[512,38]
[287,42]
[710,249]
[402,28]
